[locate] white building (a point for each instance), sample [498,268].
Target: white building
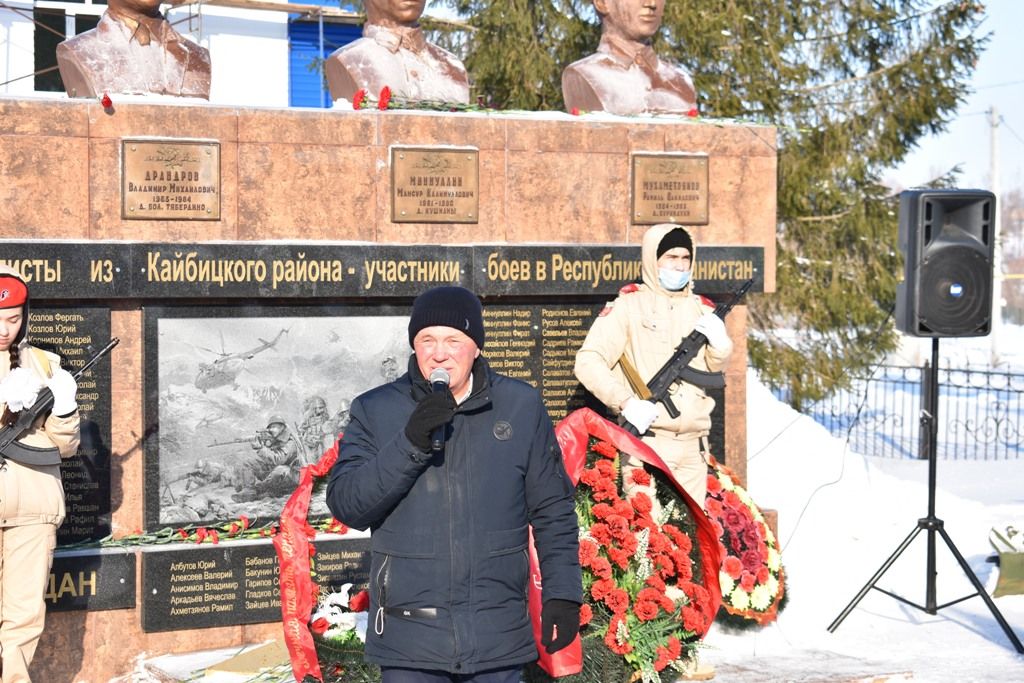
[264,52]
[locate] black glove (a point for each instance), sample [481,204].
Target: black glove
[431,412]
[559,624]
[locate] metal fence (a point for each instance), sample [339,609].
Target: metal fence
[980,414]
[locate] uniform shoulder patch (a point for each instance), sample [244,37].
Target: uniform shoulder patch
[706,301]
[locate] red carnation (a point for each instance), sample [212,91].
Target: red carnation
[617,601]
[619,557]
[319,626]
[357,99]
[642,503]
[751,560]
[214,536]
[606,449]
[588,552]
[385,98]
[244,520]
[733,567]
[601,588]
[714,485]
[360,602]
[645,610]
[640,477]
[763,575]
[601,568]
[713,506]
[693,113]
[575,111]
[106,101]
[747,581]
[586,614]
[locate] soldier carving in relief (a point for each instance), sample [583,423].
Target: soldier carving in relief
[625,76]
[133,50]
[394,52]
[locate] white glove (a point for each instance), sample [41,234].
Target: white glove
[63,387]
[20,389]
[713,327]
[640,413]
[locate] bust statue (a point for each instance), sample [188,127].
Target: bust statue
[394,52]
[625,76]
[133,49]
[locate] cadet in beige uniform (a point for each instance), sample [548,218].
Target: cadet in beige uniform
[31,495]
[644,325]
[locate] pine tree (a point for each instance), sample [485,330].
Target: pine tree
[850,87]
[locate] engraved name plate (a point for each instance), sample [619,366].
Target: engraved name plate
[670,188]
[435,185]
[170,180]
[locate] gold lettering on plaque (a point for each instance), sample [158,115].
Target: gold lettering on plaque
[170,180]
[670,188]
[432,185]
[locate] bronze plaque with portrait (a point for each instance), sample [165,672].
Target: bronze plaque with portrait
[172,180]
[670,188]
[435,185]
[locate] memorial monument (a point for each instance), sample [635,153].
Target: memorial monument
[394,52]
[625,76]
[133,50]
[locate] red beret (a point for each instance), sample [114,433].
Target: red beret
[12,292]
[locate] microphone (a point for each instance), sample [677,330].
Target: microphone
[439,379]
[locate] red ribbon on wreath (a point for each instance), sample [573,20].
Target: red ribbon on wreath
[292,546]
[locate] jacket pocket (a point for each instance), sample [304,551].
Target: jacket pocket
[406,570]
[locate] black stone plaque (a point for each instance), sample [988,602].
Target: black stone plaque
[234,583]
[596,269]
[76,334]
[92,579]
[228,270]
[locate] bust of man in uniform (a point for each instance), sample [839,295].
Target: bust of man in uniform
[133,50]
[394,52]
[624,76]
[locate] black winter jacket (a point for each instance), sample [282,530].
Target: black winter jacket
[449,571]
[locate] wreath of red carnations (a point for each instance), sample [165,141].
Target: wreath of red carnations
[646,598]
[752,577]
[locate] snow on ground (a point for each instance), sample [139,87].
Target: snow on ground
[841,515]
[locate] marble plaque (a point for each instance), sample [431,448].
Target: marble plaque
[170,180]
[91,579]
[669,188]
[435,185]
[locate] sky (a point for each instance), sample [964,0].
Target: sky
[998,82]
[841,515]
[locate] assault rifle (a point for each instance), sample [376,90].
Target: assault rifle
[678,366]
[33,455]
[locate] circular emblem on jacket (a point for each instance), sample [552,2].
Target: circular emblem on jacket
[502,430]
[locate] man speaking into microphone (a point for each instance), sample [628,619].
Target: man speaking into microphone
[448,466]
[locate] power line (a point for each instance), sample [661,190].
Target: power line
[1002,121]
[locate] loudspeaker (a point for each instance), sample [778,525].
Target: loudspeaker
[948,241]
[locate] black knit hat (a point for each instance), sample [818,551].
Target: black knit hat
[677,237]
[455,307]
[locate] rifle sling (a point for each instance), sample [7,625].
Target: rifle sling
[31,455]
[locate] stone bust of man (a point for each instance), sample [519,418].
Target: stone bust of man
[394,52]
[133,50]
[625,76]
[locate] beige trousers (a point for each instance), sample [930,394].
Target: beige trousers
[26,553]
[683,457]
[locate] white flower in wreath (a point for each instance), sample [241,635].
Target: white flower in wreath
[772,585]
[761,597]
[774,560]
[739,598]
[333,608]
[726,582]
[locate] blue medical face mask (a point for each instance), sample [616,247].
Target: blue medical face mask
[673,280]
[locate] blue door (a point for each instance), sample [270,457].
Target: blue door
[306,85]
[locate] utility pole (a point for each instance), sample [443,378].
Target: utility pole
[997,252]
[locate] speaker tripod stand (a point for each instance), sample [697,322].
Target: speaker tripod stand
[933,525]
